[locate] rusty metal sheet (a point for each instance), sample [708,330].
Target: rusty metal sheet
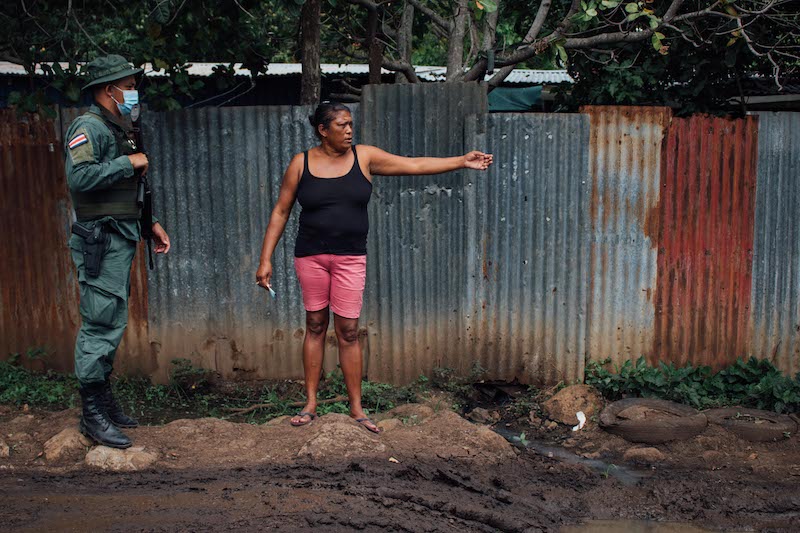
[38,299]
[705,241]
[625,160]
[39,296]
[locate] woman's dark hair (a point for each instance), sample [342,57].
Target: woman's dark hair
[324,114]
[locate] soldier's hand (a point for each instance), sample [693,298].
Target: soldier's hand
[139,161]
[161,238]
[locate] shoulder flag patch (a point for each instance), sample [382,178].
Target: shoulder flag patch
[78,140]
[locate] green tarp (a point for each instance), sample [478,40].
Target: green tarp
[515,99]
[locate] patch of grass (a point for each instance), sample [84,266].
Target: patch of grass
[193,392]
[375,397]
[49,390]
[607,471]
[751,383]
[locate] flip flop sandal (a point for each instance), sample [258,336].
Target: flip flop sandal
[362,420]
[301,414]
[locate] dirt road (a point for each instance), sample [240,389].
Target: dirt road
[429,471]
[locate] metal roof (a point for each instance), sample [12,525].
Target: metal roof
[426,73]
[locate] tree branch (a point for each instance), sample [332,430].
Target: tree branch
[455,48]
[78,22]
[535,47]
[401,66]
[435,17]
[533,32]
[242,411]
[368,4]
[478,70]
[5,56]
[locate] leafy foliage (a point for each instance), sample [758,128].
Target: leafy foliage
[695,63]
[694,67]
[752,383]
[191,393]
[166,33]
[19,385]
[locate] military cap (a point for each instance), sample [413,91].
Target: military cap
[106,69]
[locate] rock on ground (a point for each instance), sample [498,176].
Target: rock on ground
[129,460]
[644,455]
[483,416]
[413,412]
[68,443]
[563,406]
[390,424]
[5,450]
[278,420]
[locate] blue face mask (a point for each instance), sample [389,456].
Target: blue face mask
[129,99]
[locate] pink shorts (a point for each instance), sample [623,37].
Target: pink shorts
[335,280]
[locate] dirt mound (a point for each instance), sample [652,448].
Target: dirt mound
[446,435]
[416,432]
[563,406]
[338,436]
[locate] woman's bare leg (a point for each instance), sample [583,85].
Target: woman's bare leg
[313,354]
[351,361]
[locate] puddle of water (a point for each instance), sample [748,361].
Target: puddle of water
[632,526]
[627,476]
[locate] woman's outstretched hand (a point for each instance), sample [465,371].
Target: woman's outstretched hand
[477,160]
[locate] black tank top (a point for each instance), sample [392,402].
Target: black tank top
[334,217]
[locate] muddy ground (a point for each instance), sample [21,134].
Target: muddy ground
[431,470]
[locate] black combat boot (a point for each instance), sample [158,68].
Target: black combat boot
[95,424]
[114,411]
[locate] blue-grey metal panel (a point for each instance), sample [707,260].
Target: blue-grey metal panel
[216,174]
[531,240]
[776,255]
[416,272]
[625,161]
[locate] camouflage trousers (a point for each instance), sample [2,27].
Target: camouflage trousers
[104,308]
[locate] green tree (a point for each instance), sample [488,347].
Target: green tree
[165,33]
[700,67]
[635,51]
[691,52]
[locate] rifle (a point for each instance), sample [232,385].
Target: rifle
[144,196]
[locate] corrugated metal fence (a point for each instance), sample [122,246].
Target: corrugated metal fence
[416,274]
[218,173]
[531,241]
[625,161]
[38,294]
[616,232]
[775,292]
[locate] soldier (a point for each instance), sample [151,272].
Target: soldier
[103,169]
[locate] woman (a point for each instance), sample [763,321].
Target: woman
[333,183]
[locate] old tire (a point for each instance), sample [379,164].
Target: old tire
[740,421]
[682,422]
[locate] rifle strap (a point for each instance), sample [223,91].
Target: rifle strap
[150,253]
